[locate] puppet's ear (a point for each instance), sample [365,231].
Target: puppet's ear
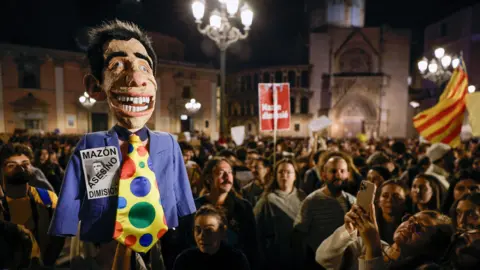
[92,86]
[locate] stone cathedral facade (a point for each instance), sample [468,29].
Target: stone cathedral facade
[359,76]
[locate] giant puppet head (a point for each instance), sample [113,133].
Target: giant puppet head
[123,65]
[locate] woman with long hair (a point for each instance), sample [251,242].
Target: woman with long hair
[391,207]
[275,214]
[465,212]
[426,193]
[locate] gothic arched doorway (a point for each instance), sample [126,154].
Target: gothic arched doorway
[354,115]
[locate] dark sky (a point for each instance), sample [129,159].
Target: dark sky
[278,30]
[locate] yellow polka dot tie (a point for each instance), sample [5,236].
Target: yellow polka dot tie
[140,219]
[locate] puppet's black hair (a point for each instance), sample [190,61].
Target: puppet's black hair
[114,30]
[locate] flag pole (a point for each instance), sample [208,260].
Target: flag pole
[275,116]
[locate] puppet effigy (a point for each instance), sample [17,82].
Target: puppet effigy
[129,183]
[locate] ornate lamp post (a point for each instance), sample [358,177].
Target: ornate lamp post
[224,34]
[438,69]
[88,103]
[193,106]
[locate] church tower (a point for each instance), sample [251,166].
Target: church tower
[340,13]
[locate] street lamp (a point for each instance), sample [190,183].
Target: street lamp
[438,69]
[88,103]
[471,88]
[193,106]
[86,100]
[223,33]
[414,104]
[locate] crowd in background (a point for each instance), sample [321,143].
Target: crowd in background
[292,205]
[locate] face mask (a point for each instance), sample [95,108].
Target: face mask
[19,178]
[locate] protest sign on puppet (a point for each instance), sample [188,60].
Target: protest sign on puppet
[269,110]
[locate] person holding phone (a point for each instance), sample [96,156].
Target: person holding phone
[421,238]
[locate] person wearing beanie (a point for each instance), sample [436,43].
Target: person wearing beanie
[442,163]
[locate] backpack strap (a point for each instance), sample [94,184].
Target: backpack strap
[44,196]
[46,200]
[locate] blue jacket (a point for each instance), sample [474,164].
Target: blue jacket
[97,216]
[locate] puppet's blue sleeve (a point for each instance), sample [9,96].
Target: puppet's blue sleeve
[183,192]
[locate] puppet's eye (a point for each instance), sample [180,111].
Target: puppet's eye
[143,68]
[118,65]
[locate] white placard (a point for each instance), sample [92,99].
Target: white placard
[238,134]
[320,123]
[100,166]
[188,136]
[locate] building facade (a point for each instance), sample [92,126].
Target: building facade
[458,34]
[242,98]
[356,76]
[359,75]
[40,90]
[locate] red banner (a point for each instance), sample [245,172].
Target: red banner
[268,110]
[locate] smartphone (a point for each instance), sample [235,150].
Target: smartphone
[366,195]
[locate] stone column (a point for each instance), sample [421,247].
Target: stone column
[2,116]
[59,96]
[158,105]
[213,117]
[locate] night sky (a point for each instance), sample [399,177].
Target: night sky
[278,31]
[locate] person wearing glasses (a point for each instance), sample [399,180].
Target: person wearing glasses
[275,214]
[420,238]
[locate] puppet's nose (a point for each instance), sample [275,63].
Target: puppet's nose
[136,79]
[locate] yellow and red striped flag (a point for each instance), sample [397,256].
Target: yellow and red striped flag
[443,122]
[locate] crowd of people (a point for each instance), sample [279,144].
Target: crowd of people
[288,205]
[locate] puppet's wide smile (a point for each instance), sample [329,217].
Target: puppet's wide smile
[132,104]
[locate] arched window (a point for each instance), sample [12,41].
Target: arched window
[304,105]
[292,76]
[256,81]
[187,92]
[278,76]
[305,79]
[29,76]
[266,77]
[355,60]
[248,82]
[230,109]
[292,105]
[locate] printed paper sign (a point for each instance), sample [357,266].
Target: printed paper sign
[473,107]
[271,108]
[238,134]
[320,123]
[100,166]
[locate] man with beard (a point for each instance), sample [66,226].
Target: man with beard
[25,205]
[322,212]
